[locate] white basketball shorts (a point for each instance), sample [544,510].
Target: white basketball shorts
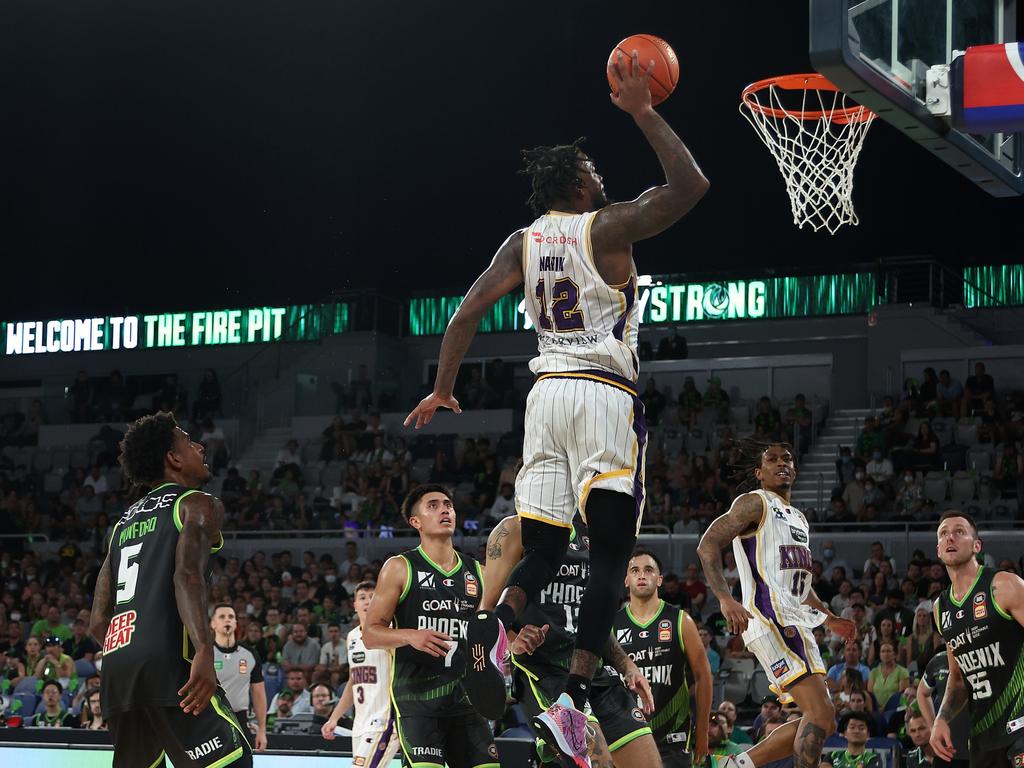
[584,430]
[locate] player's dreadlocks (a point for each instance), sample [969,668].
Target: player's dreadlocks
[751,455]
[552,172]
[143,448]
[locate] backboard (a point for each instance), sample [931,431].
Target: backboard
[879,53]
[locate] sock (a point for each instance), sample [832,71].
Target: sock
[577,688]
[743,761]
[505,615]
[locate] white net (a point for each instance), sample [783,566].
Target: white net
[815,146]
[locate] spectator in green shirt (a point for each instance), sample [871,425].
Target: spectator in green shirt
[855,731]
[51,625]
[888,678]
[871,439]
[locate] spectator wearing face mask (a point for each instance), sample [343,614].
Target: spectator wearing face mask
[829,562]
[880,469]
[844,468]
[909,497]
[853,494]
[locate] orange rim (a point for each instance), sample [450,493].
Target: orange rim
[806,82]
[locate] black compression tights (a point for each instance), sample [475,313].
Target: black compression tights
[611,525]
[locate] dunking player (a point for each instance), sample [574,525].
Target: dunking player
[160,693]
[374,735]
[622,736]
[428,593]
[980,617]
[770,540]
[585,430]
[662,640]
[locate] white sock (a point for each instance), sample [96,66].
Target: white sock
[743,761]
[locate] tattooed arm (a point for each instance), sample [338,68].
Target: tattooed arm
[503,275]
[202,516]
[952,702]
[102,604]
[619,660]
[743,517]
[504,550]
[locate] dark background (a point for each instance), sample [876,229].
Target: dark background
[208,154]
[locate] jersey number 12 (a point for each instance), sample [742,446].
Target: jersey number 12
[565,306]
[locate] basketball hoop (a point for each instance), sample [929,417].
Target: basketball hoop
[816,146]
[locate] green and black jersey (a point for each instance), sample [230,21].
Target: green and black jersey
[440,600]
[986,642]
[559,605]
[147,650]
[656,647]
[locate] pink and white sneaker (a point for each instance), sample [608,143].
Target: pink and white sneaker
[565,730]
[484,680]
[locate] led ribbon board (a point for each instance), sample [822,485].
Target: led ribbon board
[252,325]
[666,301]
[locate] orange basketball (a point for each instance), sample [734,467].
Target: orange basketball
[666,63]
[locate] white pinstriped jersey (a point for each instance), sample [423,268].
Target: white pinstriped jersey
[774,565]
[370,676]
[582,322]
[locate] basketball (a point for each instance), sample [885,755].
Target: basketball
[650,48]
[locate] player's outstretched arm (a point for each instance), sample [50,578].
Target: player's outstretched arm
[620,224]
[614,655]
[378,632]
[924,702]
[102,604]
[503,275]
[743,517]
[952,702]
[202,516]
[504,550]
[702,682]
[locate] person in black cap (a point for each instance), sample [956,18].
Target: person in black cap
[770,707]
[55,664]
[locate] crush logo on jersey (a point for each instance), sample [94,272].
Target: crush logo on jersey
[780,668]
[795,557]
[120,631]
[540,237]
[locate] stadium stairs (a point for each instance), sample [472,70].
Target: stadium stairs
[817,471]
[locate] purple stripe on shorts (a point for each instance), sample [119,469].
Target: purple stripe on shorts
[382,745]
[640,430]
